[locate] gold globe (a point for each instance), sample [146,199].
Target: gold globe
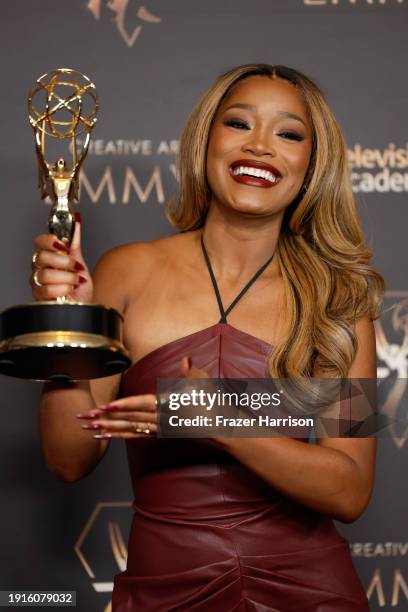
[63,103]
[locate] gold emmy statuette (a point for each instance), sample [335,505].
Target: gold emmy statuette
[61,339]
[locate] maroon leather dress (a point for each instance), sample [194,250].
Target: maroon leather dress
[208,535]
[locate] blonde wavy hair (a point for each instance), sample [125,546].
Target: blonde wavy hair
[321,251]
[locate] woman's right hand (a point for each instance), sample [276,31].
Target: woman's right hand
[60,271]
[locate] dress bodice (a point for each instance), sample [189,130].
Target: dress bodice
[220,350]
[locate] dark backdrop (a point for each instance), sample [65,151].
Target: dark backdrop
[150,64]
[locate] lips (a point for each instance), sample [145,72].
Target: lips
[255,173]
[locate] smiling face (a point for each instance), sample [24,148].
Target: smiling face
[259,147]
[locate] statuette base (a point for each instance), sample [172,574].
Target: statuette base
[89,347]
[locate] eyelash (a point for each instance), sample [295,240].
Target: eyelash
[292,136]
[234,123]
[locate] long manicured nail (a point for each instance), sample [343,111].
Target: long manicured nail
[78,266]
[60,246]
[77,217]
[88,415]
[105,436]
[190,362]
[81,279]
[91,426]
[108,407]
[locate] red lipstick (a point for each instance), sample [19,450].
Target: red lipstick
[255,173]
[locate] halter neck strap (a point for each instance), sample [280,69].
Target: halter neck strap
[225,313]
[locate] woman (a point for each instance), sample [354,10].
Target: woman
[264,203]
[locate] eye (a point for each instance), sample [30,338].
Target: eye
[291,136]
[237,123]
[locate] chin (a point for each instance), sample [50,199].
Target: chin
[251,209]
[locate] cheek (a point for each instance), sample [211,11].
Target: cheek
[219,143]
[215,154]
[213,150]
[300,161]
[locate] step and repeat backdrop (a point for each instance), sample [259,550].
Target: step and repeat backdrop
[150,63]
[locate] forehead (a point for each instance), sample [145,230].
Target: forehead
[267,93]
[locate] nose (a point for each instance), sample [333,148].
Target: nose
[260,143]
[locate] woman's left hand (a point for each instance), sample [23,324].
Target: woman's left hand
[129,417]
[134,416]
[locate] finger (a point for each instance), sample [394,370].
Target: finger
[185,365]
[146,402]
[49,276]
[49,242]
[133,416]
[49,259]
[122,436]
[121,426]
[50,292]
[75,249]
[188,370]
[89,415]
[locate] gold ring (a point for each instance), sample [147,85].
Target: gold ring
[35,278]
[138,429]
[34,259]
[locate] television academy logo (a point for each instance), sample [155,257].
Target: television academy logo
[121,17]
[378,170]
[392,352]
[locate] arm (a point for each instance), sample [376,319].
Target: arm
[71,452]
[335,476]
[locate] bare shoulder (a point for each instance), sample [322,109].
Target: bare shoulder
[125,268]
[119,258]
[124,257]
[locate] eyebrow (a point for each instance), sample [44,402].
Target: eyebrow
[291,116]
[253,108]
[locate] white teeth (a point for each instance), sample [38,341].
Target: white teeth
[257,172]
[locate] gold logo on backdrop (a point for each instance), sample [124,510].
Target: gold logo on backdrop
[379,595]
[389,589]
[392,352]
[121,17]
[101,546]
